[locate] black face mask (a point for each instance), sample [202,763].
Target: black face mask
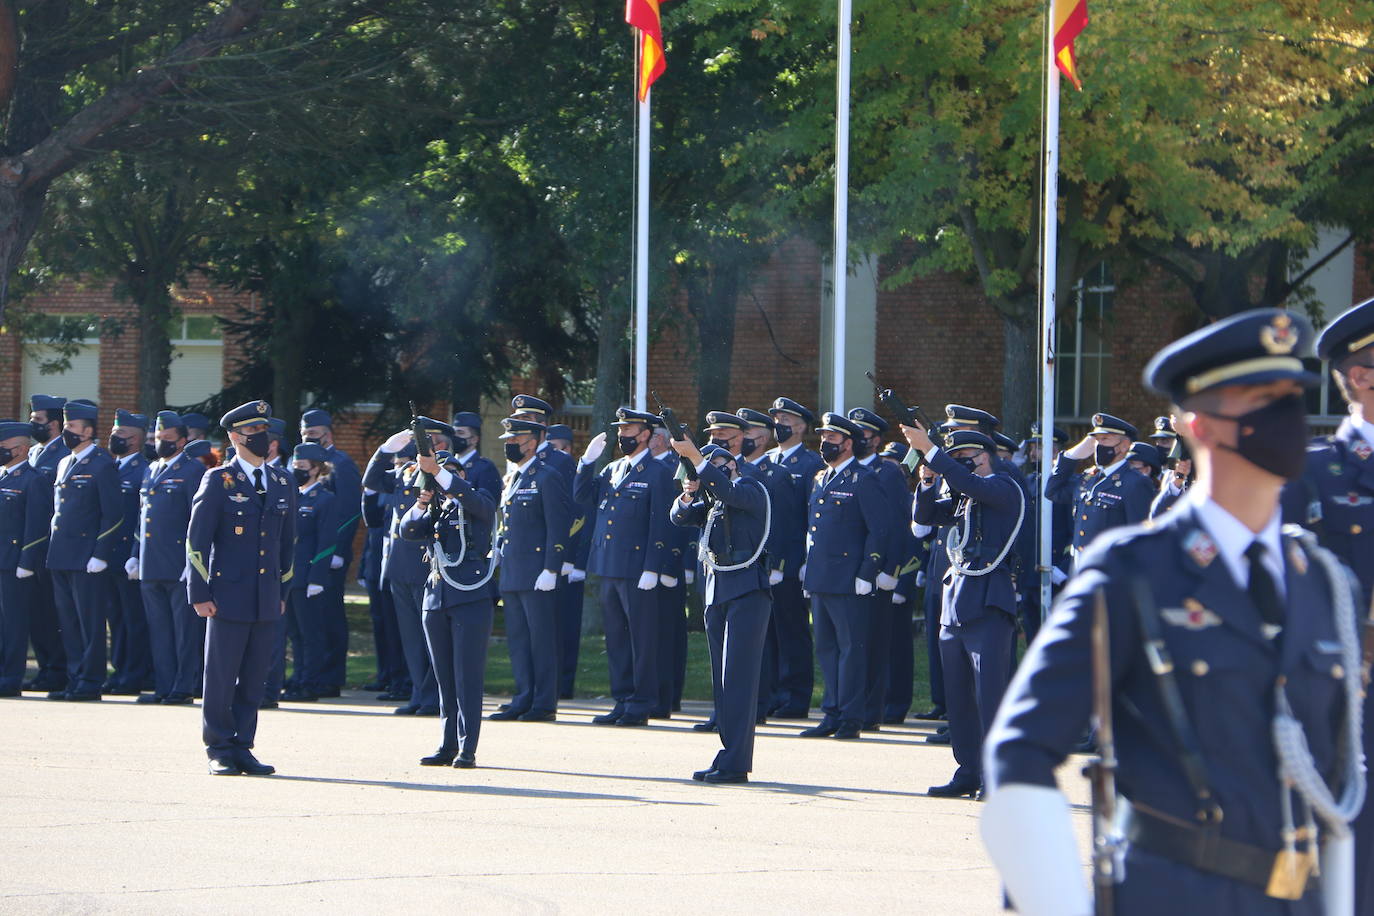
[513,454]
[302,476]
[971,464]
[830,451]
[72,440]
[726,467]
[628,444]
[1273,437]
[166,449]
[748,447]
[460,445]
[40,433]
[1104,455]
[118,445]
[861,449]
[723,443]
[5,455]
[782,433]
[258,443]
[313,440]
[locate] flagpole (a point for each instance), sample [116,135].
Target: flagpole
[841,255]
[641,322]
[1048,282]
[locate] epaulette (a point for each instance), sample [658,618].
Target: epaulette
[278,476]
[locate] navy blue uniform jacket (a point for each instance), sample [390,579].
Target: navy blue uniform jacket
[167,494]
[87,511]
[450,529]
[848,530]
[536,519]
[631,533]
[317,525]
[731,542]
[25,510]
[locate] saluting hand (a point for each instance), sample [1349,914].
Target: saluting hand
[594,448]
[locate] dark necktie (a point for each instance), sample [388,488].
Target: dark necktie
[1262,589]
[258,485]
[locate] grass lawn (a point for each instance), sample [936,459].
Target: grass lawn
[593,679]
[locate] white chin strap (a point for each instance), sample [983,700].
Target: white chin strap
[1044,875]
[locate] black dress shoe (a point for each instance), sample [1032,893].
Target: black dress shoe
[847,731]
[632,721]
[954,789]
[124,690]
[790,714]
[872,727]
[300,696]
[438,759]
[252,766]
[893,720]
[176,699]
[700,775]
[823,730]
[537,715]
[57,695]
[405,710]
[74,696]
[223,766]
[719,777]
[503,707]
[148,699]
[934,715]
[708,726]
[428,712]
[609,718]
[938,738]
[465,761]
[506,714]
[10,692]
[395,696]
[660,715]
[374,687]
[269,704]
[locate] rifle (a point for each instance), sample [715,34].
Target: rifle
[678,432]
[424,448]
[911,416]
[1101,771]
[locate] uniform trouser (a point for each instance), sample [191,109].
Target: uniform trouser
[81,609]
[176,636]
[237,656]
[313,661]
[933,596]
[391,660]
[45,633]
[735,632]
[335,669]
[901,663]
[631,621]
[977,664]
[569,598]
[532,638]
[768,665]
[15,595]
[130,655]
[672,637]
[457,638]
[842,631]
[408,599]
[795,664]
[879,628]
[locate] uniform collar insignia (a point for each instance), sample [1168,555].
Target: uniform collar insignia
[1201,548]
[241,477]
[1362,449]
[1297,560]
[1192,616]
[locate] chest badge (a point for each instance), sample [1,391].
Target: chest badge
[238,497]
[1192,616]
[1362,450]
[1355,499]
[227,481]
[1201,548]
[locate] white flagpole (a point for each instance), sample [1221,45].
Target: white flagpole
[641,322]
[841,206]
[1048,279]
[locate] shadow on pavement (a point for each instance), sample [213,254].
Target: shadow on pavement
[462,789]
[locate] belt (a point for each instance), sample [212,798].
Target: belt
[1204,848]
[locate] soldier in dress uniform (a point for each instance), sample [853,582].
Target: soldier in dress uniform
[672,595]
[1108,496]
[458,600]
[791,609]
[534,522]
[130,654]
[480,472]
[243,518]
[87,516]
[1232,667]
[632,496]
[846,540]
[176,635]
[197,426]
[1178,466]
[1144,459]
[25,513]
[48,449]
[385,636]
[570,594]
[1335,499]
[731,509]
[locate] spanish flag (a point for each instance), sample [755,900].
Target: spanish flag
[1070,17]
[643,15]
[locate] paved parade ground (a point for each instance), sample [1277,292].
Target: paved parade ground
[107,808]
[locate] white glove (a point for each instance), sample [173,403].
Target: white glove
[546,581]
[577,575]
[94,566]
[22,573]
[647,580]
[1058,576]
[801,573]
[689,576]
[806,594]
[336,562]
[774,576]
[131,567]
[1044,877]
[1338,876]
[920,578]
[397,441]
[567,570]
[898,598]
[886,583]
[312,590]
[667,580]
[594,448]
[862,587]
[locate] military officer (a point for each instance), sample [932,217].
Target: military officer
[176,635]
[791,610]
[1108,496]
[1144,459]
[479,471]
[632,496]
[732,511]
[1178,466]
[571,593]
[197,426]
[528,407]
[243,518]
[458,600]
[25,512]
[846,538]
[901,656]
[390,659]
[130,654]
[535,520]
[679,557]
[1232,666]
[87,516]
[986,510]
[48,449]
[1335,499]
[403,563]
[307,594]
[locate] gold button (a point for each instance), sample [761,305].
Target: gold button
[1085,518]
[1200,667]
[610,521]
[818,515]
[261,571]
[1337,672]
[262,553]
[1355,529]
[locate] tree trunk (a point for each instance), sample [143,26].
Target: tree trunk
[154,300]
[1020,372]
[612,357]
[291,335]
